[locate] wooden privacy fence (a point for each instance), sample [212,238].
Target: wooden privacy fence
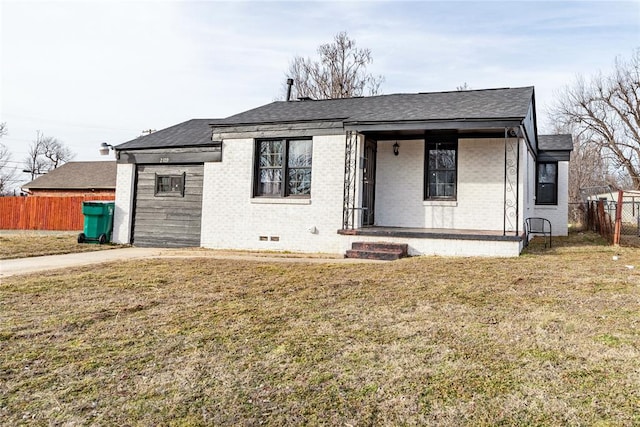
[44,213]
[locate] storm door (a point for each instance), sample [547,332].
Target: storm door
[369,183]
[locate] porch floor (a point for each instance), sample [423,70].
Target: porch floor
[433,233]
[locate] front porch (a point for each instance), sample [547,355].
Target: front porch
[473,208]
[432,233]
[439,241]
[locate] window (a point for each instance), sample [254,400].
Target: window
[283,168]
[170,185]
[547,183]
[441,160]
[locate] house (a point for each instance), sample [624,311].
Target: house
[449,173]
[86,179]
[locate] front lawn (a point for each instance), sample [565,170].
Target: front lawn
[29,244]
[549,338]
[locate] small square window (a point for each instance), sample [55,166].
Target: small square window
[170,185]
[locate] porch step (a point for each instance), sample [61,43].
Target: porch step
[383,251]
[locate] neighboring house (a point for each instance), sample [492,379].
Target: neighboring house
[76,179]
[449,173]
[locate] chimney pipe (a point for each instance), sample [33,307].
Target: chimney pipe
[289,84]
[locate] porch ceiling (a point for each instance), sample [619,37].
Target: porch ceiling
[434,125]
[406,134]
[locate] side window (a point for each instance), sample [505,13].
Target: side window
[169,185]
[283,168]
[441,161]
[547,183]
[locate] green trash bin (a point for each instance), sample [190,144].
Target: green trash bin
[98,222]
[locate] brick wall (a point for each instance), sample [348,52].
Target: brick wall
[479,204]
[233,219]
[559,214]
[122,215]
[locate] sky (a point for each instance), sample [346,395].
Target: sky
[87,72]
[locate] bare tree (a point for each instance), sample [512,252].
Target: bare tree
[463,86]
[605,112]
[587,169]
[46,153]
[7,172]
[340,72]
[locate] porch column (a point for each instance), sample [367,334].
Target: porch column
[350,178]
[511,181]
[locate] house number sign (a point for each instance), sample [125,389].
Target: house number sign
[164,160]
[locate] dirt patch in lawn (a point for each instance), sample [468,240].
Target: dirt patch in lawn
[549,338]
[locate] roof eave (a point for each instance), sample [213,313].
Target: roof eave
[165,146]
[277,122]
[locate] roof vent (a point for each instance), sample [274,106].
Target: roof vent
[305,98]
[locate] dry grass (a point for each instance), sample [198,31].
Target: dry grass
[22,245]
[550,338]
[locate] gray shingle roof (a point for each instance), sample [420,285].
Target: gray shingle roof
[189,133]
[474,104]
[561,142]
[488,104]
[76,176]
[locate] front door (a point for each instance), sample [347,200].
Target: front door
[369,183]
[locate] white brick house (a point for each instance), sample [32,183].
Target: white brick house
[449,173]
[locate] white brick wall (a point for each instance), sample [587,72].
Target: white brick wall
[480,184]
[447,247]
[233,219]
[529,186]
[122,215]
[400,183]
[558,215]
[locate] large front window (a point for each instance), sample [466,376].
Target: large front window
[441,165]
[283,168]
[547,183]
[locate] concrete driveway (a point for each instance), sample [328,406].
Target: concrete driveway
[13,267]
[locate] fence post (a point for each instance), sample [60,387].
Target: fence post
[618,226]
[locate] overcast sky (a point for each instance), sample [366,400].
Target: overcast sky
[92,71]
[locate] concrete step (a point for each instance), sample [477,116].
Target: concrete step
[377,255]
[381,246]
[378,250]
